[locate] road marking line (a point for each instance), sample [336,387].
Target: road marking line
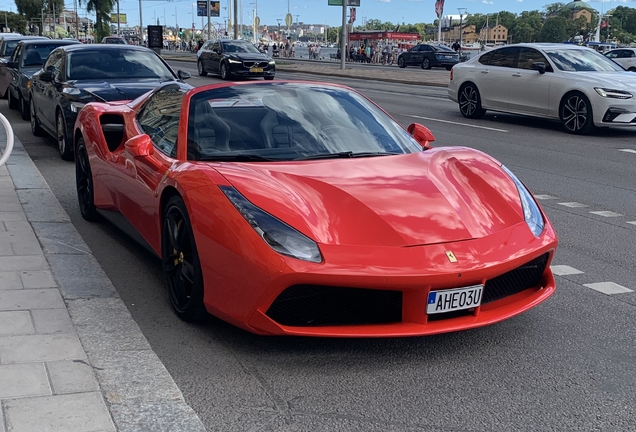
[632,222]
[544,197]
[572,204]
[564,270]
[608,288]
[606,213]
[627,150]
[455,123]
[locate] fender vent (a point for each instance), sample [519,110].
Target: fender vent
[113,130]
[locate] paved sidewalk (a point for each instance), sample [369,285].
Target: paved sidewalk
[71,357]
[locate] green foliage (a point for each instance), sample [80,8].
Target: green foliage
[553,30]
[626,18]
[17,23]
[102,9]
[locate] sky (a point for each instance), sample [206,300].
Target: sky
[318,11]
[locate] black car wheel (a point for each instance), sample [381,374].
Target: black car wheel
[84,183]
[401,62]
[576,113]
[13,103]
[24,109]
[470,102]
[62,139]
[225,74]
[36,129]
[426,63]
[180,261]
[200,68]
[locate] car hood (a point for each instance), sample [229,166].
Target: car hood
[620,80]
[116,90]
[249,57]
[422,198]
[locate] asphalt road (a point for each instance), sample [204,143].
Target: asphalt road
[568,364]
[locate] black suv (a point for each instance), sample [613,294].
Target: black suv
[239,58]
[427,56]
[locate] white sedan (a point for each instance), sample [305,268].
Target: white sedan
[625,57]
[570,83]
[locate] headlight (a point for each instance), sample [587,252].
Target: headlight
[233,61]
[277,234]
[77,106]
[272,62]
[531,212]
[614,94]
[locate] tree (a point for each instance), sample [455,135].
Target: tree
[527,27]
[102,9]
[16,22]
[554,9]
[553,30]
[32,9]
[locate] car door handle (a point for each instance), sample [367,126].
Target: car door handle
[484,71]
[516,74]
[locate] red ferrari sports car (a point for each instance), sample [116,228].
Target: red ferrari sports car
[299,208]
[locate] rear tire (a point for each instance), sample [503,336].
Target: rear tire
[470,102]
[180,262]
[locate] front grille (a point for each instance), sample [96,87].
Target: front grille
[317,305]
[251,64]
[513,282]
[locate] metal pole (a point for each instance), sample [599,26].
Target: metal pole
[141,26]
[54,24]
[77,19]
[6,22]
[118,22]
[209,29]
[235,19]
[343,41]
[42,24]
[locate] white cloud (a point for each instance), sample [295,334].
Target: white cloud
[383,1]
[519,1]
[487,2]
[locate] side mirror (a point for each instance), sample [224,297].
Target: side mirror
[12,64]
[422,134]
[141,145]
[539,66]
[46,76]
[183,75]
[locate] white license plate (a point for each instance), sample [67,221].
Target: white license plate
[256,70]
[454,299]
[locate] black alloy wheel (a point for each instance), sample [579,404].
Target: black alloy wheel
[470,102]
[225,74]
[401,62]
[62,139]
[200,68]
[24,109]
[84,183]
[576,114]
[180,262]
[426,63]
[36,129]
[11,101]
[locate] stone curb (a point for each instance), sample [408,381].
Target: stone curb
[138,390]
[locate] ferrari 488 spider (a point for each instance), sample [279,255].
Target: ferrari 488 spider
[296,208]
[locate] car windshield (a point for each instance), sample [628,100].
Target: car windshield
[239,47]
[35,55]
[581,60]
[284,121]
[115,64]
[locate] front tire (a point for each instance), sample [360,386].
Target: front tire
[426,63]
[576,114]
[180,262]
[470,102]
[62,139]
[200,69]
[11,101]
[24,109]
[225,74]
[401,62]
[84,183]
[36,129]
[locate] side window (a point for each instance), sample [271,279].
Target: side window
[529,56]
[613,54]
[626,54]
[160,119]
[216,46]
[485,58]
[54,64]
[504,57]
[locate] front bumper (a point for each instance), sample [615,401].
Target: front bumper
[241,70]
[615,112]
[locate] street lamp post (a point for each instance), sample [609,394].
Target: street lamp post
[461,11]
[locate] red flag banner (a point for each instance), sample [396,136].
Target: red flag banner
[604,24]
[439,8]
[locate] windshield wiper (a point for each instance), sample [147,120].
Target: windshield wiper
[345,155]
[238,158]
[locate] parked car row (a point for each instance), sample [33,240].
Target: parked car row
[50,81]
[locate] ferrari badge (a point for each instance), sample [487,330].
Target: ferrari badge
[451,256]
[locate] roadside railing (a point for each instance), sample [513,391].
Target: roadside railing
[9,147]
